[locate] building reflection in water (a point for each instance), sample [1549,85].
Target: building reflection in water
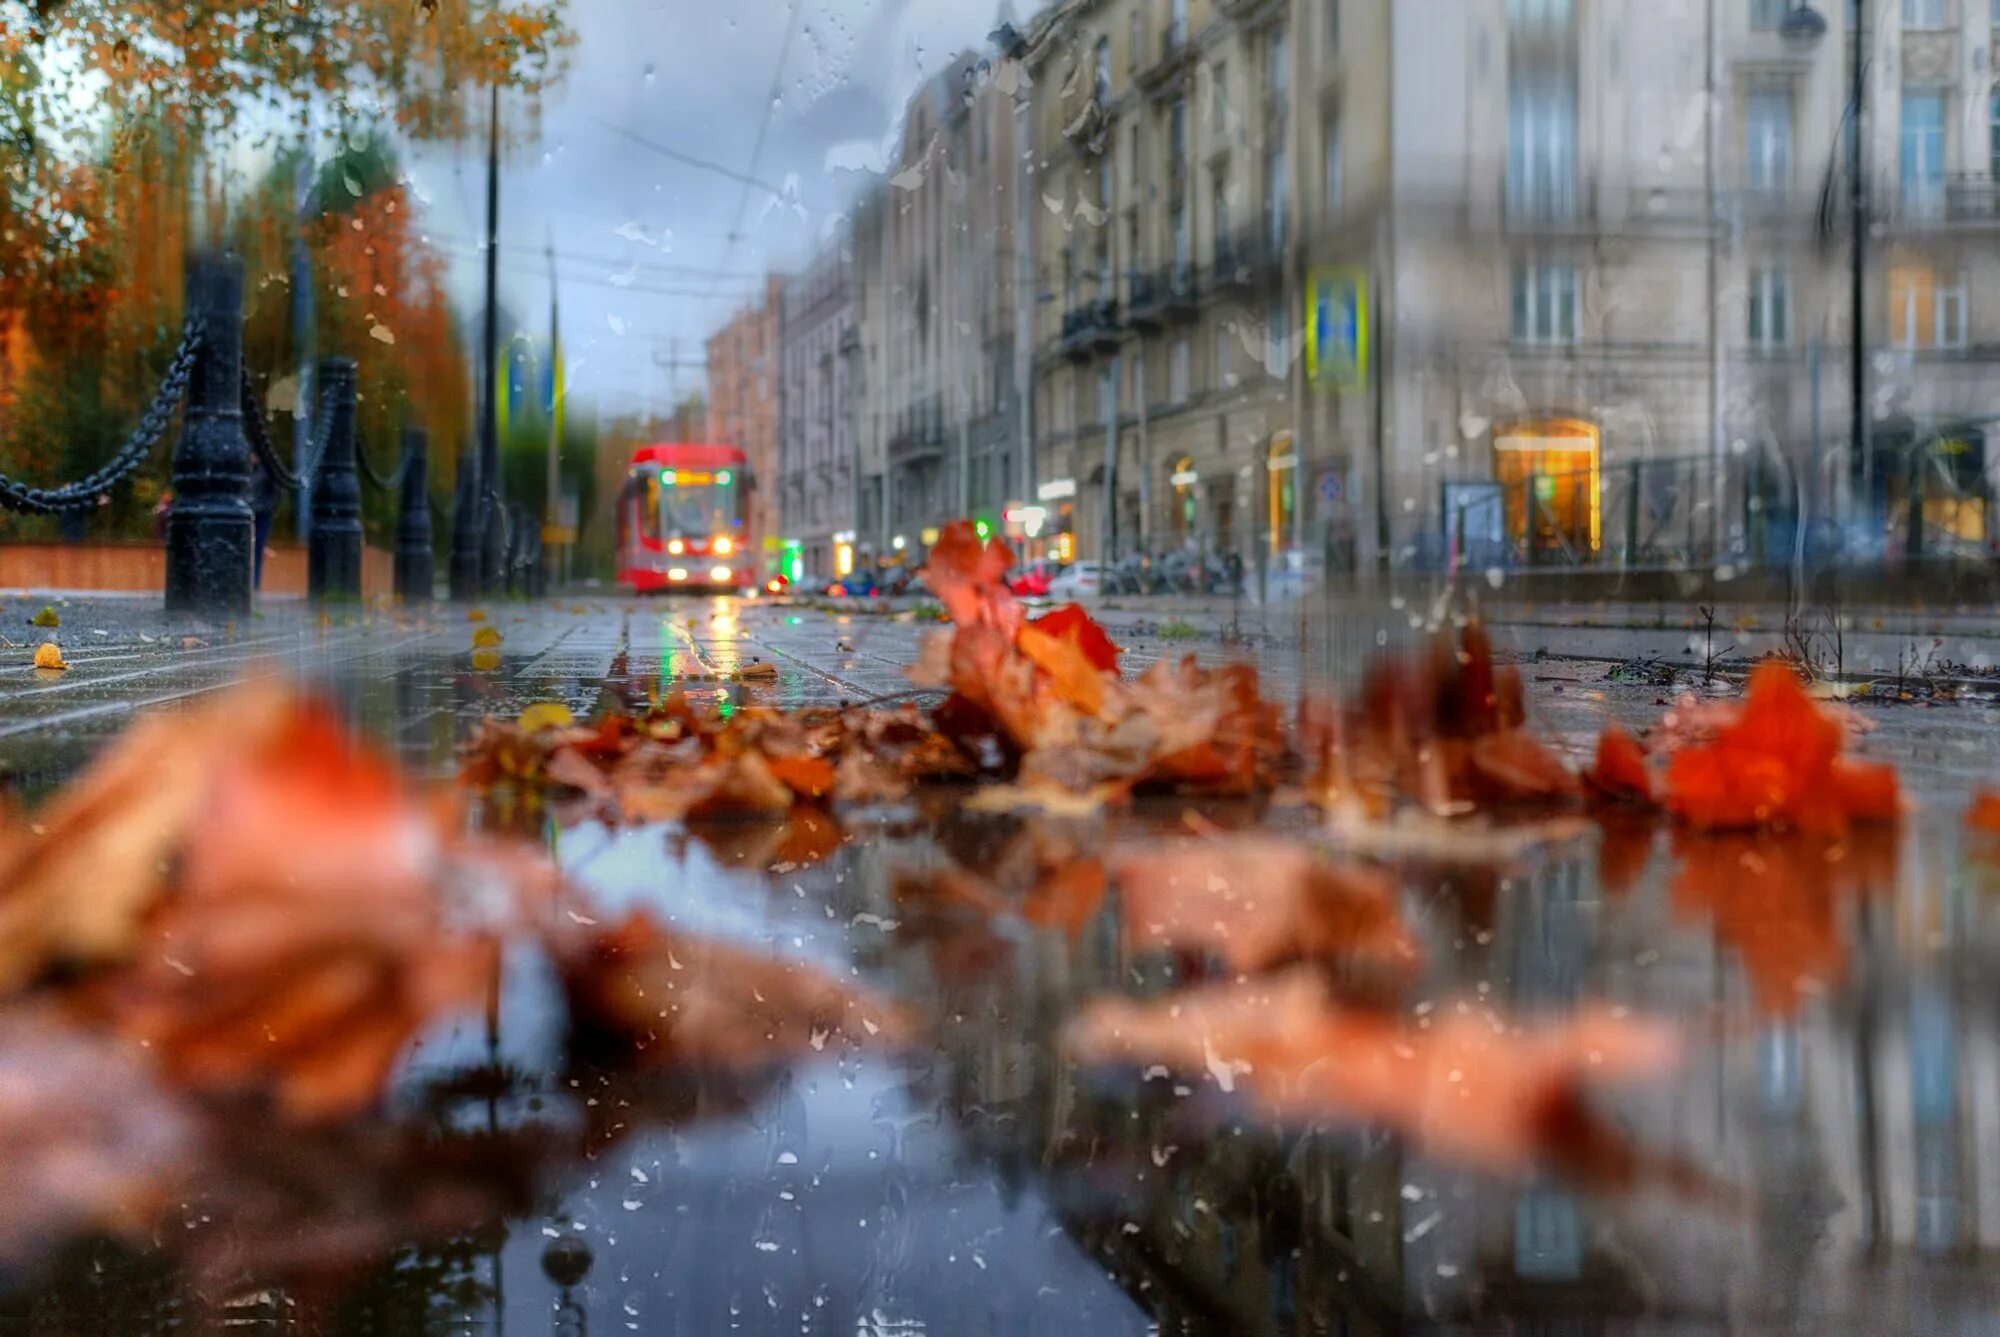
[1846,1125]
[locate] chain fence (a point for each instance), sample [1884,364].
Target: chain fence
[85,493]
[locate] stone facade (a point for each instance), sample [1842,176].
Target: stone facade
[816,444]
[743,403]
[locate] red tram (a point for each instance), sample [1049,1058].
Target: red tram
[684,520]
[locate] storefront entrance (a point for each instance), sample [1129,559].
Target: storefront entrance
[1548,474]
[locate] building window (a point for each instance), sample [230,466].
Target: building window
[1528,14]
[1277,68]
[1177,235]
[1218,99]
[1277,338]
[1136,39]
[1176,26]
[1277,195]
[1768,15]
[1332,27]
[1993,134]
[1220,196]
[1177,134]
[1103,67]
[1330,164]
[1225,376]
[1923,152]
[1541,148]
[1177,373]
[1922,312]
[1767,156]
[1770,308]
[1926,13]
[1544,302]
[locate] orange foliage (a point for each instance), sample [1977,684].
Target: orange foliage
[1619,771]
[1777,763]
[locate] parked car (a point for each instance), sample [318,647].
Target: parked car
[857,585]
[1033,580]
[1078,580]
[900,580]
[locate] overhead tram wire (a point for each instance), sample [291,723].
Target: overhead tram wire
[764,125]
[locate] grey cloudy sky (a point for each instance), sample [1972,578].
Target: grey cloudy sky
[644,240]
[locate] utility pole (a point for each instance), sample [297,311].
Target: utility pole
[489,501]
[551,506]
[1857,204]
[303,424]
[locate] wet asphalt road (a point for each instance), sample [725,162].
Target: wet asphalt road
[985,1186]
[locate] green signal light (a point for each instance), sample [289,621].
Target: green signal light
[725,478]
[982,528]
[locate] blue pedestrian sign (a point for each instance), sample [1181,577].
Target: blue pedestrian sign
[1337,328]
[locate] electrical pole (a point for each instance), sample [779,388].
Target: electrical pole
[489,504]
[551,506]
[1857,203]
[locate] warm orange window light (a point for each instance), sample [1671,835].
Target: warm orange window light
[843,559]
[1557,460]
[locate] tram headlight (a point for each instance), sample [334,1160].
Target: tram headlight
[723,546]
[678,573]
[676,547]
[719,574]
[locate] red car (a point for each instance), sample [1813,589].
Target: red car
[1032,581]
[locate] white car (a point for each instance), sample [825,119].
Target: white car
[1078,580]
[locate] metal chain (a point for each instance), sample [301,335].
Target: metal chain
[388,483]
[255,428]
[83,495]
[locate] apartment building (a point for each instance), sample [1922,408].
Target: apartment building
[743,404]
[1165,334]
[947,381]
[817,478]
[867,354]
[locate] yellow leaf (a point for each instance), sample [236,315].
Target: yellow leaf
[46,618]
[486,660]
[546,715]
[486,637]
[475,615]
[48,655]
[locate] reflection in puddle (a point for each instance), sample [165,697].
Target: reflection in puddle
[1840,1077]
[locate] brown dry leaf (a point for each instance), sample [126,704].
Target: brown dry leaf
[1472,1086]
[49,655]
[77,887]
[89,1143]
[1262,901]
[643,994]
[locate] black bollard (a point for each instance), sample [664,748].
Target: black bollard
[333,552]
[210,529]
[414,563]
[468,529]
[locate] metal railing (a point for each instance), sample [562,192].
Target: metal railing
[211,524]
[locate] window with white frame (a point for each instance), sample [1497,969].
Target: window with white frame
[1538,13]
[1329,181]
[1993,133]
[1136,38]
[1176,24]
[1544,301]
[1218,98]
[1225,374]
[1767,15]
[1926,312]
[1922,152]
[1103,67]
[1926,13]
[1277,195]
[1770,307]
[1277,338]
[1332,27]
[1177,373]
[1767,156]
[1219,210]
[1541,147]
[1277,67]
